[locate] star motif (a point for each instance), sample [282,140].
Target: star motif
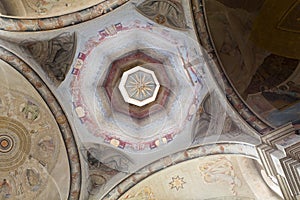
[177,183]
[140,85]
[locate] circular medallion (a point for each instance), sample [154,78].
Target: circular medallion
[15,143]
[6,143]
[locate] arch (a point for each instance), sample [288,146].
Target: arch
[204,37]
[72,152]
[23,24]
[203,150]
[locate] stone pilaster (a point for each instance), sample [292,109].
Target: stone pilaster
[279,152]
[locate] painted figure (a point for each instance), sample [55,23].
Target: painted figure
[5,189]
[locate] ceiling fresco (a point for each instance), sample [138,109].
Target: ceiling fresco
[177,159]
[30,158]
[45,8]
[265,77]
[154,99]
[205,174]
[102,117]
[54,55]
[65,15]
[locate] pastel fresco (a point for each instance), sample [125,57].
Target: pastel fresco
[198,178]
[44,8]
[150,99]
[30,157]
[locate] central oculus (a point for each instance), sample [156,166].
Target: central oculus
[139,86]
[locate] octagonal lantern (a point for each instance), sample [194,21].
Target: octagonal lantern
[139,86]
